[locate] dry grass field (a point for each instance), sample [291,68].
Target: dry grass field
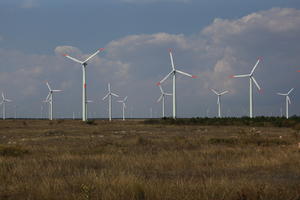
[68,159]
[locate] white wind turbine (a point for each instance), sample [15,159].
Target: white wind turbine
[162,97]
[287,101]
[50,99]
[123,106]
[84,64]
[219,94]
[3,102]
[174,72]
[109,95]
[251,79]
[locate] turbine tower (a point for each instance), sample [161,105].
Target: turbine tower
[174,72]
[3,102]
[251,79]
[109,95]
[219,94]
[84,64]
[162,97]
[50,100]
[287,101]
[123,106]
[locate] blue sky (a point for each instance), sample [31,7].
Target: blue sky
[211,39]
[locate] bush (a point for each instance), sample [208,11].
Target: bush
[91,122]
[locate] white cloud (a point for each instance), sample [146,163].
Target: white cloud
[29,4]
[154,1]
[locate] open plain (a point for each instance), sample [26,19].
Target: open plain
[69,159]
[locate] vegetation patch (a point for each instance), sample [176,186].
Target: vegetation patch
[223,141]
[13,151]
[293,122]
[54,133]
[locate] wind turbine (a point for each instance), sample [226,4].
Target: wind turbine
[3,102]
[174,72]
[287,101]
[50,99]
[123,106]
[84,64]
[162,97]
[219,94]
[109,95]
[251,79]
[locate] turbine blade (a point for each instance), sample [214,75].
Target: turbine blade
[255,82]
[184,73]
[120,101]
[165,78]
[240,76]
[48,96]
[281,94]
[8,100]
[289,100]
[161,90]
[290,91]
[160,98]
[225,92]
[56,90]
[2,96]
[74,59]
[168,94]
[105,97]
[48,86]
[89,101]
[125,99]
[214,91]
[171,57]
[252,71]
[108,87]
[114,94]
[93,55]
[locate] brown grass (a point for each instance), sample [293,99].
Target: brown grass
[130,160]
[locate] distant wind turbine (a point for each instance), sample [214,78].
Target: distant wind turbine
[3,102]
[50,99]
[251,79]
[174,72]
[123,106]
[219,94]
[162,98]
[84,95]
[109,95]
[287,101]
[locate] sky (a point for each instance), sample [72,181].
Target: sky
[212,39]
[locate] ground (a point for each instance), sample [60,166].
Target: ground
[69,159]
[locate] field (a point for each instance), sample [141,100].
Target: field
[67,159]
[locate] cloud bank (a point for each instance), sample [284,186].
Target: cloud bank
[133,64]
